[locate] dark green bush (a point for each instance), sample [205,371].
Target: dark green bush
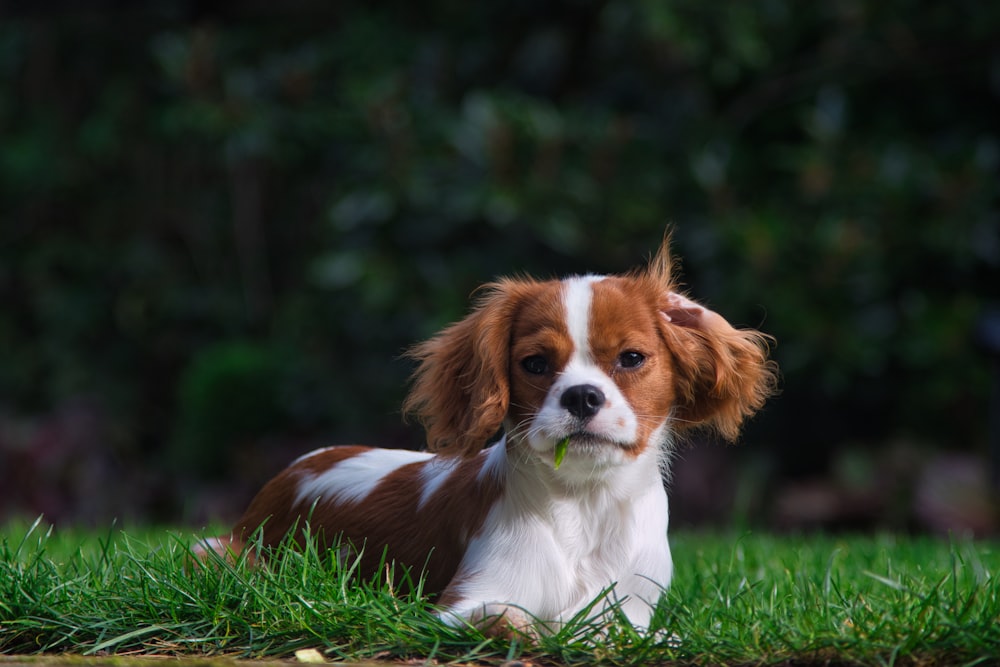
[230,394]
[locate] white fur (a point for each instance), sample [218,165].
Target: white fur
[352,479]
[577,295]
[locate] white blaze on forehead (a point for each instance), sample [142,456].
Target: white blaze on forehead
[577,296]
[352,479]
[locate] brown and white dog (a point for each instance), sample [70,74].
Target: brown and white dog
[618,365]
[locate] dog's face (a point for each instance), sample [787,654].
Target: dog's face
[588,362]
[617,364]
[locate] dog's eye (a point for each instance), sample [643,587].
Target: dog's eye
[631,359]
[535,364]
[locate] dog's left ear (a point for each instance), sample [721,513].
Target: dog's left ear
[461,388]
[722,374]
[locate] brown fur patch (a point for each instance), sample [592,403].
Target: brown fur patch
[387,521]
[540,329]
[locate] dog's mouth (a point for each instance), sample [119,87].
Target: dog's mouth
[585,440]
[589,449]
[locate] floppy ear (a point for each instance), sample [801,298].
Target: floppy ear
[461,388]
[722,374]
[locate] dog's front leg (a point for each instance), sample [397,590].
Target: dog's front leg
[640,590]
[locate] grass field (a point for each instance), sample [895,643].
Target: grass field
[736,599]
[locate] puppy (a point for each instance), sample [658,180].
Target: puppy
[588,381]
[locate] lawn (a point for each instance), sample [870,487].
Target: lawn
[736,599]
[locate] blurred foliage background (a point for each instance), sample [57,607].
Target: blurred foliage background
[220,224]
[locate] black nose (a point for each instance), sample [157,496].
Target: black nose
[582,400]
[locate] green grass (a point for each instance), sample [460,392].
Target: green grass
[750,599]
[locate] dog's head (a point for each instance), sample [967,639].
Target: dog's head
[614,364]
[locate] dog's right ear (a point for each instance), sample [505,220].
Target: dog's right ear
[461,387]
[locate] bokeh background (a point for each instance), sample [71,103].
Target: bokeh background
[221,223]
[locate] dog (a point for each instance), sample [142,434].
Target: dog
[583,385]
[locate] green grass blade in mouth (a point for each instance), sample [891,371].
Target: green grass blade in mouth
[561,451]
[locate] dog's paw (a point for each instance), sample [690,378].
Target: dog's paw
[502,621]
